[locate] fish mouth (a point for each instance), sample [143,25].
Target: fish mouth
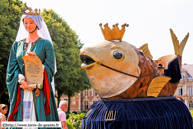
[87,61]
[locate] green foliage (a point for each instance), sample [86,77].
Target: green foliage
[191,111]
[69,125]
[76,120]
[70,78]
[82,114]
[67,115]
[74,112]
[10,13]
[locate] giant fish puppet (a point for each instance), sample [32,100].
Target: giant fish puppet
[134,89]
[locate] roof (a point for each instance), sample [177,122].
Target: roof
[189,68]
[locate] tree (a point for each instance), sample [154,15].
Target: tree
[10,14]
[70,78]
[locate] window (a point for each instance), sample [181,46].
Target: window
[190,105]
[73,100]
[85,105]
[190,90]
[85,92]
[94,93]
[180,91]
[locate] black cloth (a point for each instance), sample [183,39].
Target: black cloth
[151,114]
[173,71]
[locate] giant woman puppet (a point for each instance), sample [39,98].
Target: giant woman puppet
[33,39]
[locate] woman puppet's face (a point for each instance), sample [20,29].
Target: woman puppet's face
[29,24]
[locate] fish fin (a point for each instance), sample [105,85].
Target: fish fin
[178,48]
[146,51]
[183,43]
[156,85]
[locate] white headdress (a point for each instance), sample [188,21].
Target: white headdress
[42,32]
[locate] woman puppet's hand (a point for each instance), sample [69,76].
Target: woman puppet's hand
[25,85]
[31,53]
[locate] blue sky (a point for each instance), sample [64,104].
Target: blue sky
[149,21]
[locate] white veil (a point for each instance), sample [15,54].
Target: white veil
[42,32]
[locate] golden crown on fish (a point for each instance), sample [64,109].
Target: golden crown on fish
[115,33]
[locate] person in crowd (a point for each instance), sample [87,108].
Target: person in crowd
[63,106]
[3,111]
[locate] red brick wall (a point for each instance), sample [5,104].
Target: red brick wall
[77,101]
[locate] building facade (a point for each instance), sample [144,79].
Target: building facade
[82,101]
[184,91]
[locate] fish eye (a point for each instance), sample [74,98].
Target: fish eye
[117,55]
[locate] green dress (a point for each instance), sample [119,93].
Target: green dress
[44,104]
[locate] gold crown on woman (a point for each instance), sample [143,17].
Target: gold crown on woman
[31,12]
